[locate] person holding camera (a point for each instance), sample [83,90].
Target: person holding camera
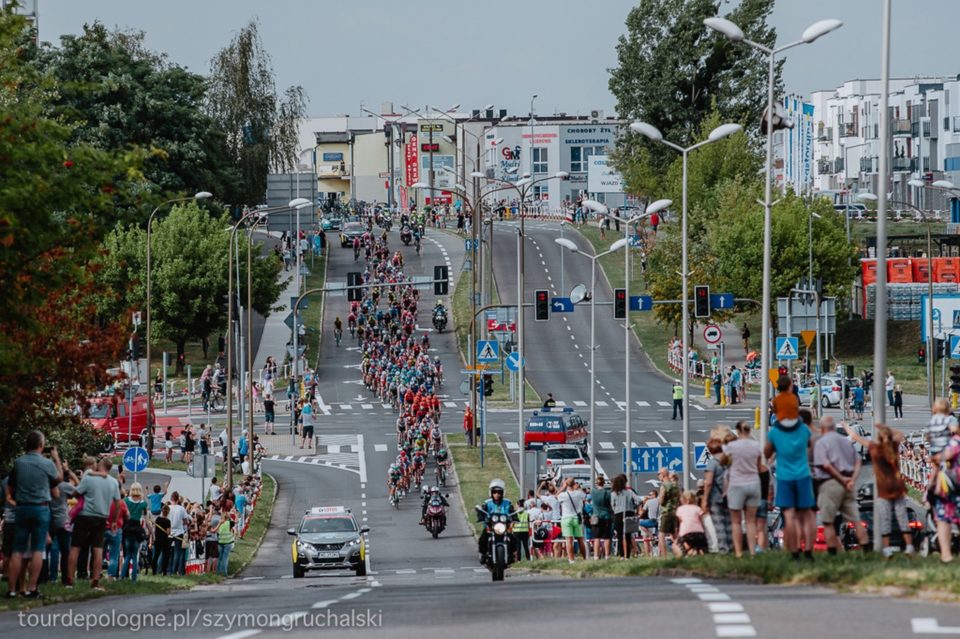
[571,498]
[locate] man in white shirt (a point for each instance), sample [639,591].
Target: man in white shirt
[179,519]
[888,386]
[571,500]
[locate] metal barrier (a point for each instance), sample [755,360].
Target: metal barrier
[701,369]
[916,472]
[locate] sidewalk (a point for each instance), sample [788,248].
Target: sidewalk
[276,334]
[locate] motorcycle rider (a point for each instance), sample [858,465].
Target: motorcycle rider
[496,505]
[429,496]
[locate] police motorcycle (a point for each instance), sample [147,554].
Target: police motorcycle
[406,234]
[435,511]
[496,541]
[439,317]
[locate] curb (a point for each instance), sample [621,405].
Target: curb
[463,504]
[259,542]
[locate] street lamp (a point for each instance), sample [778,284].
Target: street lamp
[735,34]
[719,133]
[573,248]
[297,204]
[200,195]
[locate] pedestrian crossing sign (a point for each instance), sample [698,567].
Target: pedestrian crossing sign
[788,348]
[955,347]
[488,351]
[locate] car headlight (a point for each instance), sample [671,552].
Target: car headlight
[353,542]
[500,528]
[304,548]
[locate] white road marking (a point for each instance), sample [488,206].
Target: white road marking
[320,605]
[324,408]
[713,596]
[362,458]
[736,631]
[662,403]
[686,580]
[930,626]
[512,445]
[242,634]
[366,406]
[578,402]
[600,402]
[380,448]
[605,446]
[450,404]
[346,406]
[561,404]
[643,404]
[725,607]
[731,617]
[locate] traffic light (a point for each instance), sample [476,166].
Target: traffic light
[955,378]
[440,287]
[701,301]
[783,371]
[938,349]
[487,384]
[867,380]
[354,292]
[541,305]
[619,303]
[922,354]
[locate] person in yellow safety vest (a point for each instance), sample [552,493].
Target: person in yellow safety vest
[677,399]
[521,532]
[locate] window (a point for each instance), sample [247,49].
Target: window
[541,192]
[580,156]
[539,160]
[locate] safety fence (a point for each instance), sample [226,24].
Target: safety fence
[702,369]
[916,472]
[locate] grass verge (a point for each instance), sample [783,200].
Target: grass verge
[247,547]
[312,314]
[899,576]
[855,346]
[474,480]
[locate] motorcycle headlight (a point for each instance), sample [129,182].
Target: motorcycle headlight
[500,528]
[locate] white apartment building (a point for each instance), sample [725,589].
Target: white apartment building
[924,121]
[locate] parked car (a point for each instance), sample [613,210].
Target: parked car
[562,455]
[555,426]
[830,392]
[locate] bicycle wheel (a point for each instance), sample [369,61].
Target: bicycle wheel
[217,403]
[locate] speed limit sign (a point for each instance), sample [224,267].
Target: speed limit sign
[712,334]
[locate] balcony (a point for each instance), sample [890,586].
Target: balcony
[867,164]
[825,167]
[903,164]
[332,172]
[848,130]
[901,127]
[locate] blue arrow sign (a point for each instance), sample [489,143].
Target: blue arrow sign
[641,303]
[561,305]
[514,361]
[136,459]
[787,348]
[468,245]
[488,351]
[635,241]
[650,459]
[721,301]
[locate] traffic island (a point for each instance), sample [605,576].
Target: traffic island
[474,479]
[900,576]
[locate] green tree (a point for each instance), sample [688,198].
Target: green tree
[189,278]
[116,94]
[260,128]
[673,72]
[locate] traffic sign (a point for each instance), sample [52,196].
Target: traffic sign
[202,466]
[712,333]
[488,351]
[288,320]
[641,303]
[650,459]
[514,362]
[303,302]
[701,456]
[469,245]
[722,301]
[788,348]
[955,347]
[561,305]
[807,337]
[300,348]
[136,459]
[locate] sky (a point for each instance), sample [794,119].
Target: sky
[502,52]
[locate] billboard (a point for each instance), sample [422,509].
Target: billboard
[602,177]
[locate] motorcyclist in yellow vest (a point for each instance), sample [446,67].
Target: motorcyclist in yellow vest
[677,399]
[521,532]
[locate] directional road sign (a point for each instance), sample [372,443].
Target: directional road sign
[641,303]
[488,351]
[136,459]
[701,456]
[712,333]
[303,302]
[955,347]
[787,348]
[561,305]
[288,320]
[635,241]
[514,361]
[468,245]
[650,459]
[721,301]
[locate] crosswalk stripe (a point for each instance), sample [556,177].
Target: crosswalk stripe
[652,443]
[380,448]
[600,402]
[450,404]
[663,403]
[333,449]
[366,406]
[346,406]
[606,445]
[621,405]
[560,403]
[698,406]
[512,445]
[579,403]
[642,404]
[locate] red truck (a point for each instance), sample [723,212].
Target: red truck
[113,415]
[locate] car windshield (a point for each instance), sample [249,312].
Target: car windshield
[327,525]
[564,453]
[352,227]
[544,425]
[99,410]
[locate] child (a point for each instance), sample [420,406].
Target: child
[786,406]
[692,536]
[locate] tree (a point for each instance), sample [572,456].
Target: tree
[56,198]
[115,94]
[260,129]
[673,71]
[189,276]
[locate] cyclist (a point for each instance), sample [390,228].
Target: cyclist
[337,330]
[352,323]
[393,481]
[443,462]
[356,249]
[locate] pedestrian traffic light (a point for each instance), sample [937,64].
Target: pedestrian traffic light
[619,303]
[783,371]
[487,384]
[922,355]
[541,305]
[441,283]
[938,349]
[955,378]
[354,292]
[867,380]
[701,301]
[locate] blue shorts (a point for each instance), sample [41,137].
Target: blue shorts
[795,493]
[33,522]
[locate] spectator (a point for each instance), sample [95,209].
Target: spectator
[623,504]
[891,497]
[669,501]
[133,532]
[762,541]
[161,541]
[179,539]
[650,511]
[835,457]
[692,538]
[889,384]
[211,547]
[114,535]
[521,533]
[601,520]
[857,396]
[241,506]
[225,541]
[100,494]
[744,492]
[468,425]
[794,490]
[898,402]
[215,492]
[32,484]
[155,500]
[571,500]
[786,405]
[714,480]
[58,553]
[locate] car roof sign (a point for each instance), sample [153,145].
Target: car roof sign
[328,510]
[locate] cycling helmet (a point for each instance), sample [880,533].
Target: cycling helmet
[497,484]
[434,489]
[442,451]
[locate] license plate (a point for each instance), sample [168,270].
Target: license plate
[328,555]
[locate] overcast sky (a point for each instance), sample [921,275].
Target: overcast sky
[498,51]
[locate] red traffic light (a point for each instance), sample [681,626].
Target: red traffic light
[541,296]
[621,294]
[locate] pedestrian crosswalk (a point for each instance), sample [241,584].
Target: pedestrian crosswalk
[352,408]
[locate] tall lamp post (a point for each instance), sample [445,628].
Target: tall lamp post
[654,207]
[573,248]
[734,33]
[297,203]
[201,195]
[719,133]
